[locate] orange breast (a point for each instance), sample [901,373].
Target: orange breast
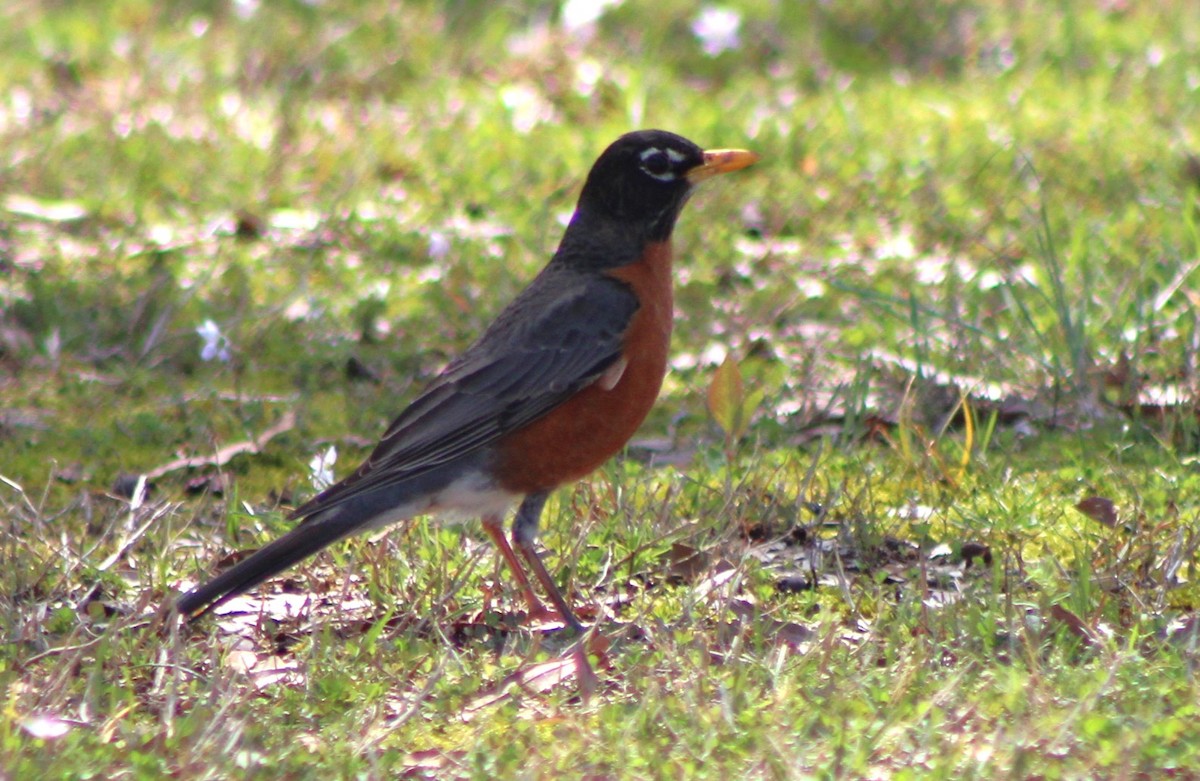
[590,427]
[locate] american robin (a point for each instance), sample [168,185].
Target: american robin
[557,384]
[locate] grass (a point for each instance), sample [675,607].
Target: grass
[958,289]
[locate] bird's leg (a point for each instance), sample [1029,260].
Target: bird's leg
[524,533]
[494,526]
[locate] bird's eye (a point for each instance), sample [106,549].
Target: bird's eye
[657,163]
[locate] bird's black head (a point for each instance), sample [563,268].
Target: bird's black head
[644,178]
[641,180]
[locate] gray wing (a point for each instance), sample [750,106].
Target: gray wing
[555,338]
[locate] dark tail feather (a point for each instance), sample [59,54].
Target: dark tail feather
[300,543]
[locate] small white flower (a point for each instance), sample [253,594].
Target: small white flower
[526,106]
[46,727]
[717,29]
[244,9]
[321,468]
[216,344]
[581,13]
[588,75]
[53,345]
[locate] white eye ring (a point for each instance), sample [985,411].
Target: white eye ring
[648,158]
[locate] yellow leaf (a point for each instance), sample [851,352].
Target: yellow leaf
[726,396]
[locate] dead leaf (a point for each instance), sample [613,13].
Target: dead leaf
[726,395]
[214,483]
[263,669]
[241,660]
[420,764]
[795,636]
[722,573]
[940,551]
[276,670]
[1099,509]
[573,664]
[1183,631]
[539,677]
[1074,624]
[793,584]
[687,562]
[975,550]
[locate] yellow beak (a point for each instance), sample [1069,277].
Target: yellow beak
[721,161]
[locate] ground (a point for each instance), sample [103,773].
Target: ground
[919,499]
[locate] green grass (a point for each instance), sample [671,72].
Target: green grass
[960,279]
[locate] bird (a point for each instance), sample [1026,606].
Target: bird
[554,387]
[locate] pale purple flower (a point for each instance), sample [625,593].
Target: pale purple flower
[439,245]
[717,29]
[216,344]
